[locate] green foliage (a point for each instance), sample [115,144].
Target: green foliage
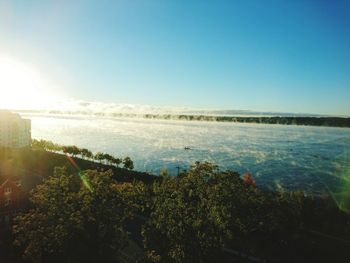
[117,161]
[195,217]
[182,225]
[163,172]
[99,156]
[197,214]
[128,163]
[45,145]
[108,158]
[69,223]
[83,152]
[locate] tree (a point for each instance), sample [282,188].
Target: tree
[85,153]
[200,212]
[117,161]
[108,158]
[68,150]
[99,156]
[38,144]
[75,150]
[75,219]
[128,163]
[183,227]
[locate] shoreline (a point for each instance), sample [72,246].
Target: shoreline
[322,121]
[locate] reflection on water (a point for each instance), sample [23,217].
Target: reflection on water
[292,157]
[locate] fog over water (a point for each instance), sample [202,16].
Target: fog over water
[291,157]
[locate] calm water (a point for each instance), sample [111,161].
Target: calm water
[292,157]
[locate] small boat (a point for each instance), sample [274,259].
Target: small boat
[187,148]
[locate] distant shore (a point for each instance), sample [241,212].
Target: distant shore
[310,121]
[324,121]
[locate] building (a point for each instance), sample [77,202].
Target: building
[15,132]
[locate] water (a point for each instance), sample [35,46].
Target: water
[291,157]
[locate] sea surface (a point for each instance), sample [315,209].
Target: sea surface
[310,158]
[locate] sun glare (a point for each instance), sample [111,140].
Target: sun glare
[22,86]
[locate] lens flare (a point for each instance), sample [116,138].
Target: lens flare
[342,196]
[83,178]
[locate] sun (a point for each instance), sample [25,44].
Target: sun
[22,86]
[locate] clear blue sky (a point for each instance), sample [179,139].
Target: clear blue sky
[290,56]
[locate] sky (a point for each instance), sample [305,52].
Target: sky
[283,56]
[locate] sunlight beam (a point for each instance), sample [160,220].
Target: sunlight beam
[22,86]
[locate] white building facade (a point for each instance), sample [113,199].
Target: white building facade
[15,132]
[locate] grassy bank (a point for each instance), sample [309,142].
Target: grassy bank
[38,164]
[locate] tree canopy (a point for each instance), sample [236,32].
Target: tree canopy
[203,215]
[195,216]
[75,218]
[83,153]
